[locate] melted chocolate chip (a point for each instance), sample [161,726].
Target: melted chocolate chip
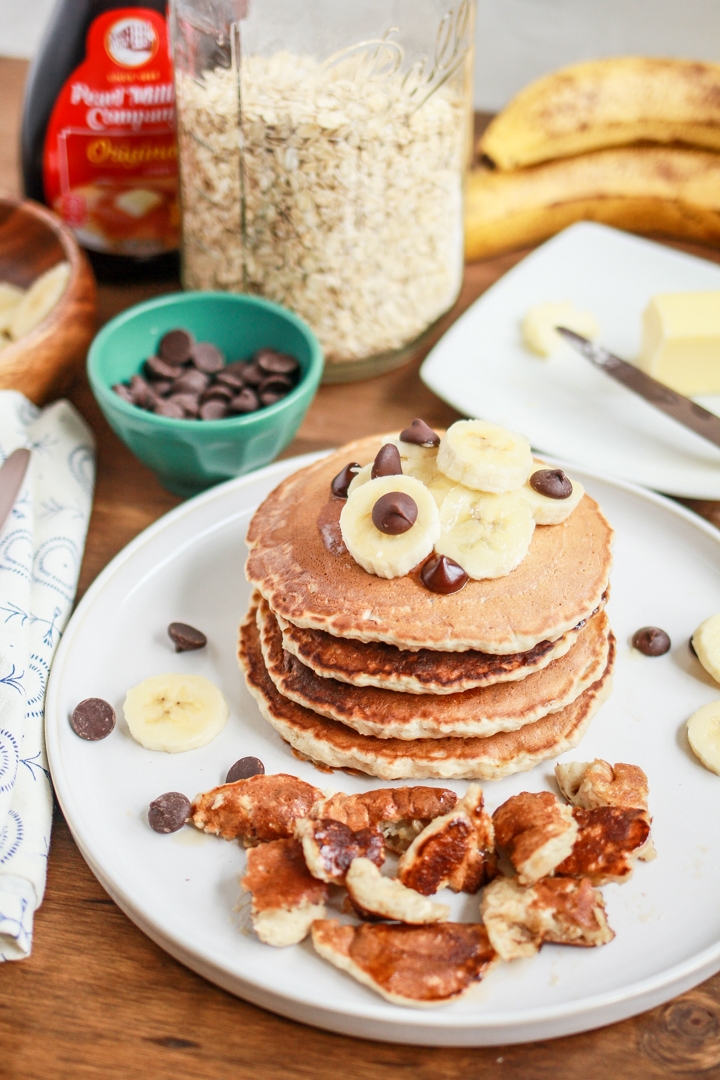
[420,434]
[168,812]
[394,513]
[443,575]
[93,719]
[651,641]
[340,483]
[244,769]
[552,483]
[176,346]
[387,462]
[186,637]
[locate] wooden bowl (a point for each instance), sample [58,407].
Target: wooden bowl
[43,363]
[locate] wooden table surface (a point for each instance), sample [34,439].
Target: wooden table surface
[99,999]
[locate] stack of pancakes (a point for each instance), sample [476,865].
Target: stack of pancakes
[387,678]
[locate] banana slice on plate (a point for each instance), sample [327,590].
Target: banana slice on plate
[546,509]
[389,554]
[484,456]
[703,731]
[706,643]
[175,712]
[488,535]
[39,300]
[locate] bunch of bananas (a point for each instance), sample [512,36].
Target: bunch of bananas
[632,142]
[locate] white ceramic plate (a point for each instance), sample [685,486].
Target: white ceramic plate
[182,889]
[563,404]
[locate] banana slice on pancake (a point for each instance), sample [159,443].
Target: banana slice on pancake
[389,554]
[484,456]
[545,509]
[488,535]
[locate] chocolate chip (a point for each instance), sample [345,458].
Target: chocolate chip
[245,402]
[214,409]
[191,381]
[218,392]
[651,641]
[275,363]
[387,462]
[394,513]
[419,434]
[169,812]
[443,575]
[207,357]
[340,483]
[276,384]
[251,374]
[156,367]
[244,769]
[122,392]
[270,397]
[692,648]
[170,409]
[186,637]
[142,394]
[162,386]
[93,719]
[233,379]
[189,403]
[176,346]
[552,483]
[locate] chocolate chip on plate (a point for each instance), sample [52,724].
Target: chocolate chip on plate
[207,357]
[441,574]
[244,769]
[420,434]
[246,401]
[186,637]
[394,513]
[169,812]
[387,462]
[93,719]
[191,381]
[214,409]
[189,403]
[171,409]
[552,483]
[340,483]
[156,367]
[123,392]
[276,363]
[176,346]
[651,641]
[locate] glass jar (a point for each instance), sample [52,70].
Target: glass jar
[323,146]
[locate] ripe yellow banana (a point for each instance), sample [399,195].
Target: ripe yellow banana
[667,190]
[603,103]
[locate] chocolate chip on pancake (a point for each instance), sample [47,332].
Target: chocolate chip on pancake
[420,434]
[330,847]
[552,483]
[340,483]
[394,513]
[387,462]
[93,719]
[441,574]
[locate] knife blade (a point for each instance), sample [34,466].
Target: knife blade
[681,409]
[12,474]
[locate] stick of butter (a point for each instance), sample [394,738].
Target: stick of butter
[681,341]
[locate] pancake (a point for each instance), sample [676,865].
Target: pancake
[479,712]
[419,671]
[330,744]
[559,582]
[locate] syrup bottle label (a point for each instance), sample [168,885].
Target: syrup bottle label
[110,161]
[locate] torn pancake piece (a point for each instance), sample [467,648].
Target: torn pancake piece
[400,813]
[255,810]
[589,784]
[609,840]
[536,832]
[454,851]
[329,847]
[286,898]
[408,965]
[519,918]
[376,897]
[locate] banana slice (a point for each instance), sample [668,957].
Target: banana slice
[426,471]
[360,478]
[706,642]
[484,456]
[488,535]
[412,451]
[175,712]
[10,297]
[548,511]
[388,556]
[703,730]
[538,326]
[39,300]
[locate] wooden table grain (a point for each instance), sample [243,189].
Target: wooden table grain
[97,999]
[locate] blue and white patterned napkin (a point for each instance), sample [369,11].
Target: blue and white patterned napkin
[41,547]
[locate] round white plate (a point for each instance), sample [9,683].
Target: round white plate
[563,404]
[182,890]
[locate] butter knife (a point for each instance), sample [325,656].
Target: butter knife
[680,408]
[12,474]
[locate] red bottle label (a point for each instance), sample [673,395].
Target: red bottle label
[110,162]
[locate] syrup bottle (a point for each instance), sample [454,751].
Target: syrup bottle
[98,134]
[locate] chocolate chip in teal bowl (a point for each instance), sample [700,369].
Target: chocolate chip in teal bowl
[187,455]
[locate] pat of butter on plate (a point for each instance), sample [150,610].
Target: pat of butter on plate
[681,341]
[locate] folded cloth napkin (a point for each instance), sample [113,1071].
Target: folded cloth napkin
[41,548]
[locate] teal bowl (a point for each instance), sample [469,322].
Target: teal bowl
[189,456]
